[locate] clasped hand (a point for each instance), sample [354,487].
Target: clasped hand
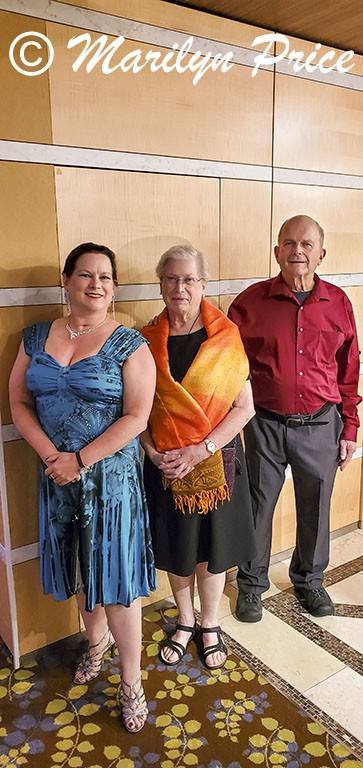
[181,461]
[62,468]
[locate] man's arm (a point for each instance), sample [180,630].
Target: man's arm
[348,378]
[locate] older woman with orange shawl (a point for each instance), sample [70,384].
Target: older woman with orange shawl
[195,475]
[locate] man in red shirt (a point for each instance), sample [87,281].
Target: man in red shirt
[300,337]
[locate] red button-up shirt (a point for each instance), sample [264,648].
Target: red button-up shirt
[301,356]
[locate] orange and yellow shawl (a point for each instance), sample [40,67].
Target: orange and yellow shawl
[186,413]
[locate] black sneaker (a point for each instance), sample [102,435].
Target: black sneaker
[249,607]
[316,601]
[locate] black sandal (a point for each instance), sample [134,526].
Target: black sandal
[178,648]
[219,646]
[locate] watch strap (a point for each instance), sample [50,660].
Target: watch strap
[82,466]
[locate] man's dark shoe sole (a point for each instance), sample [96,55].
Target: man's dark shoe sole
[250,612]
[326,609]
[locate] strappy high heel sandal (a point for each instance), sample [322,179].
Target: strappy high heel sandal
[210,649]
[176,647]
[132,705]
[91,663]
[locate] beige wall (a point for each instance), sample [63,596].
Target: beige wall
[270,121]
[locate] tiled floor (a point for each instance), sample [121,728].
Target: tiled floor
[321,671]
[318,662]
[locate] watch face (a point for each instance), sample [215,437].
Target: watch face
[211,447]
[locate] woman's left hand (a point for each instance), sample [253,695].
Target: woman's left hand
[64,469]
[181,461]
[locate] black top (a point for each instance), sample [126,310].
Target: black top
[182,351]
[301,295]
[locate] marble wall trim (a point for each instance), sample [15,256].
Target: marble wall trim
[23,554]
[317,178]
[80,157]
[30,296]
[35,296]
[10,432]
[106,23]
[341,79]
[141,32]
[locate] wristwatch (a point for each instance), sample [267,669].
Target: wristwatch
[82,467]
[211,447]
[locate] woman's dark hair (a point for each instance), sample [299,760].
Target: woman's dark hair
[79,250]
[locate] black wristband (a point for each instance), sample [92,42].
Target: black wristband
[80,462]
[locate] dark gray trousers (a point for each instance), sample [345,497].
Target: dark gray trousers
[313,454]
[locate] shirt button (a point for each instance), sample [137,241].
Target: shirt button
[301,351]
[300,395]
[301,308]
[300,373]
[301,330]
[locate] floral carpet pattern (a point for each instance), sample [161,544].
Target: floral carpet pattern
[228,718]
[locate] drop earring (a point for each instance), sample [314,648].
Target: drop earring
[113,308]
[68,302]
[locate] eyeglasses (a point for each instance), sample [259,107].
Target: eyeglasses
[171,281]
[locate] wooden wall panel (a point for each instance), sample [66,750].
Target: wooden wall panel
[53,620]
[177,17]
[346,494]
[136,314]
[12,320]
[163,590]
[139,215]
[339,211]
[22,472]
[140,112]
[5,617]
[19,120]
[226,301]
[245,228]
[318,126]
[29,247]
[356,296]
[360,412]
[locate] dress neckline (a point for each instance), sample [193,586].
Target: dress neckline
[89,357]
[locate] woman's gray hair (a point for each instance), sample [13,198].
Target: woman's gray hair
[184,252]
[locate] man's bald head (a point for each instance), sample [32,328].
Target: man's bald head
[302,218]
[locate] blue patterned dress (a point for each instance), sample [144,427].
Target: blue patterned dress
[94,534]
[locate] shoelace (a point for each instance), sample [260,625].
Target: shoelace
[318,591]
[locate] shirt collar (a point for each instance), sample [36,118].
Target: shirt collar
[278,287]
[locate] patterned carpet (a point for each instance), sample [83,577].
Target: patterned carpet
[230,718]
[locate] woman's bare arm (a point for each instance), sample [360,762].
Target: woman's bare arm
[23,409]
[139,385]
[139,375]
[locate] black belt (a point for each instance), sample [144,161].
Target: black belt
[299,420]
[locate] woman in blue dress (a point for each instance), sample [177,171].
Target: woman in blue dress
[81,391]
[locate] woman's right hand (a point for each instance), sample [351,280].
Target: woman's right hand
[63,468]
[171,466]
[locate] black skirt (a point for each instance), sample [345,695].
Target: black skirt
[223,538]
